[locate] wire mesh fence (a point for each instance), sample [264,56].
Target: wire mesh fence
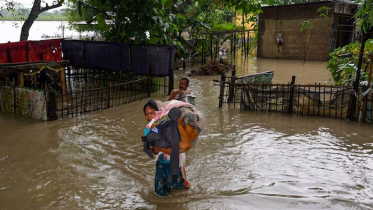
[74,103]
[316,100]
[83,79]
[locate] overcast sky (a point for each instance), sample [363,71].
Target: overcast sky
[28,3]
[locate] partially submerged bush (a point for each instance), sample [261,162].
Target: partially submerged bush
[343,67]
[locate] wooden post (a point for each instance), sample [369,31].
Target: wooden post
[369,81]
[222,84]
[244,44]
[243,40]
[109,96]
[215,56]
[205,44]
[241,46]
[35,82]
[248,44]
[211,46]
[69,73]
[231,85]
[231,45]
[349,110]
[51,106]
[20,79]
[203,52]
[63,80]
[290,108]
[234,46]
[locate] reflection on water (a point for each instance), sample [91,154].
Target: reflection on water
[245,160]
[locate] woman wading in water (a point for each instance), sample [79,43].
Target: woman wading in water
[164,180]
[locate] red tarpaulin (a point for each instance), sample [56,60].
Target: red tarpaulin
[50,49]
[19,51]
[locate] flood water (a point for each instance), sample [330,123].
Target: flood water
[10,31]
[244,160]
[309,72]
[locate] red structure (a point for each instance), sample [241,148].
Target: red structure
[31,51]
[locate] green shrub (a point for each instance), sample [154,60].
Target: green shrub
[343,69]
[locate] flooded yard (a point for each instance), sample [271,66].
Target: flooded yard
[244,160]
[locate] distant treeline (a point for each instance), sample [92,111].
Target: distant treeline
[22,14]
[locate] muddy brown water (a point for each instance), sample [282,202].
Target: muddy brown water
[245,160]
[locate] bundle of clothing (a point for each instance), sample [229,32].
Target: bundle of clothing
[167,133]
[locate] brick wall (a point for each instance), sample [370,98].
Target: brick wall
[287,20]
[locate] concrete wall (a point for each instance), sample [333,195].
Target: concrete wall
[287,20]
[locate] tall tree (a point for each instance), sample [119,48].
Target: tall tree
[156,21]
[36,10]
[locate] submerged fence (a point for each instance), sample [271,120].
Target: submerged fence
[74,103]
[316,100]
[83,79]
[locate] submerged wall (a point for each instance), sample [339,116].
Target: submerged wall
[287,20]
[31,103]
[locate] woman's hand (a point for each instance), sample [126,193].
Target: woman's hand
[181,122]
[155,150]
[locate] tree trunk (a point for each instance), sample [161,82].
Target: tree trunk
[26,27]
[35,12]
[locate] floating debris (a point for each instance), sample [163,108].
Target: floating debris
[212,67]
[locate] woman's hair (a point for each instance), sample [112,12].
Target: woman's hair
[151,104]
